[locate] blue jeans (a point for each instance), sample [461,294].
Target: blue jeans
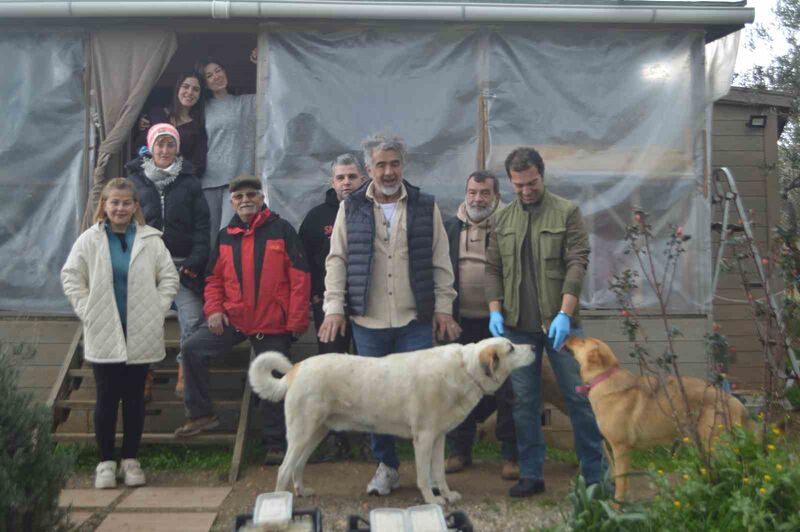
[382,342]
[526,382]
[190,313]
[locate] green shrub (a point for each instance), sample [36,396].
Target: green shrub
[744,487]
[31,473]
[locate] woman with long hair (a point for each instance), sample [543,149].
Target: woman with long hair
[231,128]
[186,113]
[120,280]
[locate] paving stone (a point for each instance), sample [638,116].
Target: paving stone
[175,497]
[157,522]
[87,498]
[76,519]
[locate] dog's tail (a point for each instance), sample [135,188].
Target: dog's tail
[263,382]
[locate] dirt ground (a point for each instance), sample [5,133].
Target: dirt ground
[340,491]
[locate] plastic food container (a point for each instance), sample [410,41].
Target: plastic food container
[273,511]
[388,520]
[426,518]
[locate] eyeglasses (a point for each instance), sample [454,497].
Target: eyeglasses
[239,196]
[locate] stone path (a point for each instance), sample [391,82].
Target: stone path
[180,509]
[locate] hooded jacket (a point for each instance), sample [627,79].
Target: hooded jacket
[258,276]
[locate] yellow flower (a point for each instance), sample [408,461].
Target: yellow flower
[737,425]
[703,471]
[761,415]
[776,431]
[770,447]
[762,491]
[685,476]
[767,478]
[676,504]
[720,426]
[746,480]
[686,439]
[779,467]
[660,471]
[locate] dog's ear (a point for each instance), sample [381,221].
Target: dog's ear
[489,360]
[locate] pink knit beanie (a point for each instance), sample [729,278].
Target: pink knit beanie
[159,130]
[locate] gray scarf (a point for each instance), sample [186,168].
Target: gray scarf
[162,177]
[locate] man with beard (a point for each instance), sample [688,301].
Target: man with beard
[468,233]
[257,289]
[389,257]
[535,264]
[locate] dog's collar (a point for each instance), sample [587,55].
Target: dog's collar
[586,388]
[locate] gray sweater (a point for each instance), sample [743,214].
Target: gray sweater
[231,128]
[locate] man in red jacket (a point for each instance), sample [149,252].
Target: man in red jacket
[257,288]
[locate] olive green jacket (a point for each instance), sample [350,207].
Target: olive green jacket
[561,250]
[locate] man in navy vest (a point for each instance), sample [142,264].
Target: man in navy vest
[390,261]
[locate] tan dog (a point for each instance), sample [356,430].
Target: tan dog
[419,395]
[634,412]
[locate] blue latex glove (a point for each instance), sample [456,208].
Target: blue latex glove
[559,330]
[496,323]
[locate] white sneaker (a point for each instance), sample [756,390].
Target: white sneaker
[385,480]
[105,475]
[131,470]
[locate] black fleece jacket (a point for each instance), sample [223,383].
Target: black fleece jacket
[315,233]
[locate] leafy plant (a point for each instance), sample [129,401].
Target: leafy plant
[31,473]
[745,487]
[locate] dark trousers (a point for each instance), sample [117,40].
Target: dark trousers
[114,383]
[341,344]
[461,438]
[197,353]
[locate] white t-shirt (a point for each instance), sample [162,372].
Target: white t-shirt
[388,214]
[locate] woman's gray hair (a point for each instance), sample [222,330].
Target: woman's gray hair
[383,142]
[348,159]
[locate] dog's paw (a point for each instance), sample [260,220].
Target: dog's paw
[433,499]
[452,496]
[302,491]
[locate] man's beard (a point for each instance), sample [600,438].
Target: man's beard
[478,214]
[389,191]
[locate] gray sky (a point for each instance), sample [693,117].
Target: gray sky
[763,52]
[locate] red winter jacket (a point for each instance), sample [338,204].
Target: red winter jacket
[258,276]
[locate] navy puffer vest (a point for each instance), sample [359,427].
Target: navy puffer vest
[360,220]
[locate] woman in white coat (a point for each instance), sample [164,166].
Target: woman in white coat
[120,279]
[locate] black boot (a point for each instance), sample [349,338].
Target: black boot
[526,487]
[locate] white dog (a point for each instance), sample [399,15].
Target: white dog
[419,395]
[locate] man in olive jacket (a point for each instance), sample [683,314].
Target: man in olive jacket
[536,262]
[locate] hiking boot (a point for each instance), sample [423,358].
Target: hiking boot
[527,487]
[105,475]
[385,480]
[195,426]
[148,386]
[179,384]
[510,470]
[130,470]
[457,463]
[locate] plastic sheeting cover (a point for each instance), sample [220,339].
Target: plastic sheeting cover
[617,115]
[41,150]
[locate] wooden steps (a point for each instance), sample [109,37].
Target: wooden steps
[200,439]
[72,391]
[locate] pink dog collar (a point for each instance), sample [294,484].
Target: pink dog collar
[586,388]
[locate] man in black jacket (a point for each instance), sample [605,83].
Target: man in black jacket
[347,175]
[468,234]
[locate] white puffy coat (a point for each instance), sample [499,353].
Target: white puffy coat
[88,283]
